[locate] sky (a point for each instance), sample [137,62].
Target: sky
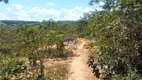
[38,10]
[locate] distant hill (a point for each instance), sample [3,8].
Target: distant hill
[14,22]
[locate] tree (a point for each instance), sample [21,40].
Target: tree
[5,1]
[116,33]
[108,4]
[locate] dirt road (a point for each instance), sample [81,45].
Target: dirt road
[78,67]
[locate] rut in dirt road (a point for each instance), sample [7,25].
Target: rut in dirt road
[79,68]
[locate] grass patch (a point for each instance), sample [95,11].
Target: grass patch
[57,71]
[54,54]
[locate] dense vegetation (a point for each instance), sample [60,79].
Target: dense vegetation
[24,47]
[116,31]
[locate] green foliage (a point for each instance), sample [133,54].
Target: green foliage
[117,35]
[82,27]
[94,66]
[34,43]
[11,67]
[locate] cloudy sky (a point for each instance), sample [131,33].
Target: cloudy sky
[38,10]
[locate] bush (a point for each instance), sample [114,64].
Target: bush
[118,39]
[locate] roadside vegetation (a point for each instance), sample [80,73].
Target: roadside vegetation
[24,47]
[116,34]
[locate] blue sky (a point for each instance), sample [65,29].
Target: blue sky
[38,10]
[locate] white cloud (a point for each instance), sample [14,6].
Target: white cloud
[72,14]
[3,16]
[102,3]
[50,4]
[15,7]
[77,8]
[38,13]
[17,12]
[87,9]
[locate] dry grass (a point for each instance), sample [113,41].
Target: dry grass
[57,71]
